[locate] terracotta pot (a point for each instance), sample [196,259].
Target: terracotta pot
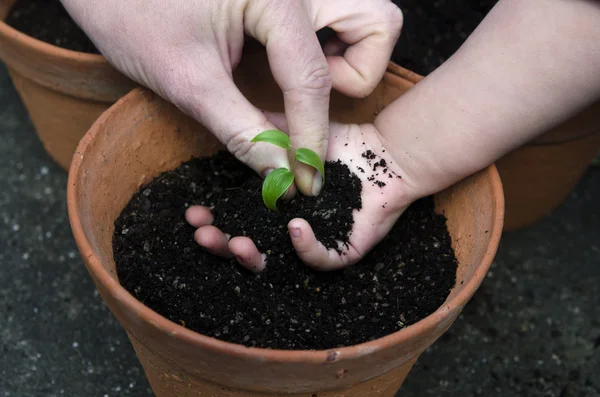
[539,176]
[142,136]
[64,91]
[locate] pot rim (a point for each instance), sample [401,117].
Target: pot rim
[44,48]
[439,319]
[404,73]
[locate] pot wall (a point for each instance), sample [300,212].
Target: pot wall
[63,91]
[167,378]
[539,176]
[141,136]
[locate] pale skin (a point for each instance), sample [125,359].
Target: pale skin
[381,207]
[529,66]
[186,50]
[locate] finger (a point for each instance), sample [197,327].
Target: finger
[213,240]
[371,30]
[301,70]
[334,149]
[311,251]
[247,254]
[203,88]
[198,215]
[278,119]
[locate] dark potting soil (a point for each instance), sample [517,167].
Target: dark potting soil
[433,30]
[48,21]
[288,305]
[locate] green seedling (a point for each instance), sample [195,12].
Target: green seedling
[279,180]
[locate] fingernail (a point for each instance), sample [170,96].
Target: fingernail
[295,232]
[317,184]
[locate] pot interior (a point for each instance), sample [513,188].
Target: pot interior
[143,135]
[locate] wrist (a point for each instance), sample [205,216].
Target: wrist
[417,134]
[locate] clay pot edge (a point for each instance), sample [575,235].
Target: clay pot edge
[15,35]
[440,319]
[404,73]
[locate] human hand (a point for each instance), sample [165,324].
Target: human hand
[360,147]
[186,50]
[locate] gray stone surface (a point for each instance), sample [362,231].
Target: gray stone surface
[533,328]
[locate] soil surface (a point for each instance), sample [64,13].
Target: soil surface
[48,21]
[287,306]
[433,30]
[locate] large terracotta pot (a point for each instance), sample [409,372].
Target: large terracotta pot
[143,135]
[538,176]
[63,91]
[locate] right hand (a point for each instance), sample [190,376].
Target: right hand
[186,50]
[382,205]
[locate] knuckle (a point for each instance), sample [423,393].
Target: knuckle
[241,148]
[394,19]
[254,155]
[365,83]
[315,81]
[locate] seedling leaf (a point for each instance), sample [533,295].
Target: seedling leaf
[309,157]
[274,137]
[275,185]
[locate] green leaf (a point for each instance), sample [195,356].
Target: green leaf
[274,137]
[309,157]
[275,185]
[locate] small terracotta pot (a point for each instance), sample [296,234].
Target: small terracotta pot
[143,135]
[538,176]
[63,91]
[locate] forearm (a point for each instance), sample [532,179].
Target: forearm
[529,66]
